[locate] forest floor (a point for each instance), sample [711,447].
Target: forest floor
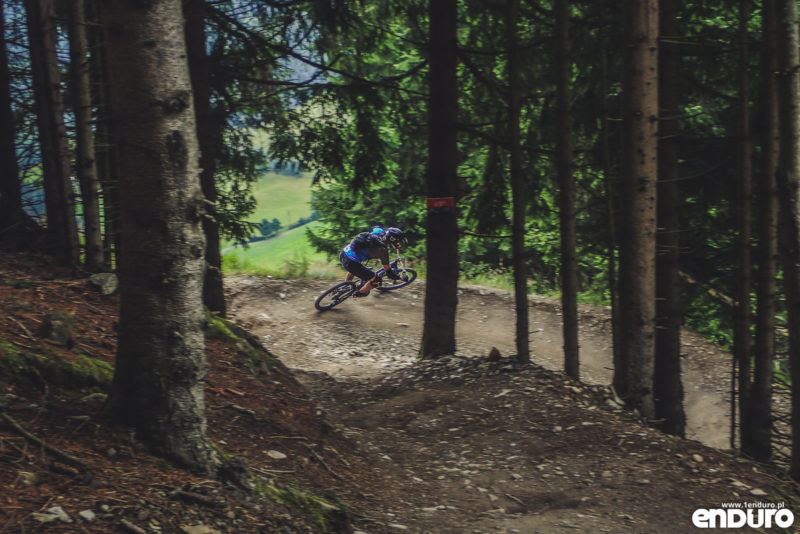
[344,429]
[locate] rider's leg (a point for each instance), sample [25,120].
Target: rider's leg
[349,266]
[367,287]
[364,291]
[354,269]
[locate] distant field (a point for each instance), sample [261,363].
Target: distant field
[286,198]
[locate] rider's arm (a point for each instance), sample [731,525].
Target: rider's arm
[382,253]
[385,261]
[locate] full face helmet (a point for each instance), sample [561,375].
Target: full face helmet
[395,238]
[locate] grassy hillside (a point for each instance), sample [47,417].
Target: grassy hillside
[289,254]
[286,255]
[286,198]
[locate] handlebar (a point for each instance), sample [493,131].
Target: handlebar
[382,272]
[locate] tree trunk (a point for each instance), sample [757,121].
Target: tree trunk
[619,379]
[742,352]
[104,138]
[788,178]
[161,366]
[194,11]
[667,387]
[62,228]
[517,187]
[11,214]
[84,137]
[566,199]
[441,288]
[640,168]
[756,432]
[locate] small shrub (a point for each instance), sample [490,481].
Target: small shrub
[297,267]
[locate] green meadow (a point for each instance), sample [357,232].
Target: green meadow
[286,198]
[289,254]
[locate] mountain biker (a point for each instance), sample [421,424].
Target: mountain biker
[371,245]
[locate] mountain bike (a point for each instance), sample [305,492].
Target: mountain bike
[344,290]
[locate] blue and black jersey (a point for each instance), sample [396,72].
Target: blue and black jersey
[367,245]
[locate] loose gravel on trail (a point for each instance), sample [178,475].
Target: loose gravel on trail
[477,443]
[367,337]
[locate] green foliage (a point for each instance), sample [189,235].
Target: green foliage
[297,266]
[269,228]
[247,49]
[238,166]
[305,220]
[359,131]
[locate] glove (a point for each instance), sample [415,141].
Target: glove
[393,274]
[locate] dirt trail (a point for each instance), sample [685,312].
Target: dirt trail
[367,337]
[479,445]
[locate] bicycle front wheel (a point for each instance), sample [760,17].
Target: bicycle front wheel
[335,296]
[406,277]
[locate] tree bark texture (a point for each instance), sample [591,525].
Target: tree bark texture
[105,144]
[756,432]
[161,366]
[62,228]
[742,343]
[10,191]
[612,201]
[194,11]
[667,386]
[567,192]
[788,177]
[640,168]
[86,162]
[517,187]
[441,289]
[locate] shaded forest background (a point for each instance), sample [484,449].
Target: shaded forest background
[630,154]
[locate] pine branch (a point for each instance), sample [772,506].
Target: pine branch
[236,26]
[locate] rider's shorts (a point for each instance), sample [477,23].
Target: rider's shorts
[355,267]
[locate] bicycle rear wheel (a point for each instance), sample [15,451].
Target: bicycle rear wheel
[406,277]
[335,296]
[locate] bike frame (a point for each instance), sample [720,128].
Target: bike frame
[345,290]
